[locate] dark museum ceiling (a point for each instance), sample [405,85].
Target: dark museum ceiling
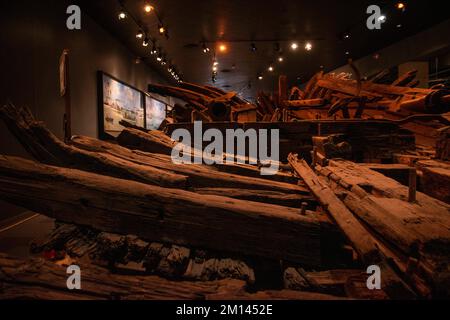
[238,24]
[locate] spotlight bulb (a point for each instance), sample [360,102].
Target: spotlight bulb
[140,34]
[270,68]
[148,8]
[161,29]
[308,46]
[294,46]
[222,48]
[122,15]
[400,6]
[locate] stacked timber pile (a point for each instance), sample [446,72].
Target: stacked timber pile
[138,207]
[128,209]
[368,140]
[337,97]
[205,103]
[387,224]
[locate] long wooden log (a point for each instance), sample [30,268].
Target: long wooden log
[305,103]
[358,236]
[43,280]
[149,158]
[198,175]
[279,198]
[405,79]
[153,141]
[159,214]
[47,148]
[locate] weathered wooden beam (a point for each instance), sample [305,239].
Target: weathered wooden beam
[266,196]
[198,175]
[308,103]
[154,141]
[43,280]
[47,148]
[358,236]
[160,214]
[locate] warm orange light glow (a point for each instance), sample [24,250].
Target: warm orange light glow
[222,48]
[148,8]
[162,30]
[400,5]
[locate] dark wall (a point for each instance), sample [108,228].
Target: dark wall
[32,36]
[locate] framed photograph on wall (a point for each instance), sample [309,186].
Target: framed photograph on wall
[118,101]
[155,112]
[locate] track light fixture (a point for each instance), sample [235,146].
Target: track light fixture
[122,15]
[148,8]
[205,48]
[400,6]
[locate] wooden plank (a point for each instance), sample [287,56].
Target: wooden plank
[43,280]
[161,214]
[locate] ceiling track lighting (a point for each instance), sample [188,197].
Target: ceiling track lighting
[122,15]
[294,45]
[161,29]
[148,8]
[308,46]
[382,18]
[222,48]
[346,35]
[205,48]
[140,34]
[400,6]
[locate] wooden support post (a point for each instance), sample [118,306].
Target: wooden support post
[64,80]
[282,89]
[303,207]
[412,185]
[314,157]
